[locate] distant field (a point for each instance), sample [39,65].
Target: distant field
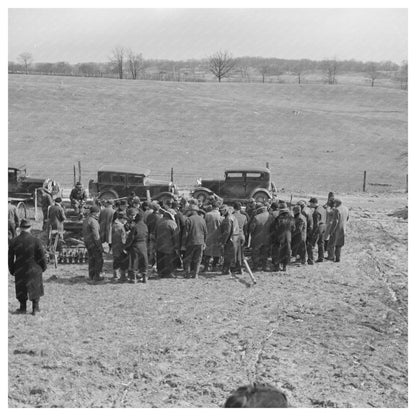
[315,137]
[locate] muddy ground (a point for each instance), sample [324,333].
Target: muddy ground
[329,335]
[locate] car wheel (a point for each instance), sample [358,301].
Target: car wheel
[261,197]
[107,195]
[201,196]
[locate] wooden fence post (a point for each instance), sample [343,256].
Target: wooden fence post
[267,165]
[365,180]
[75,176]
[79,171]
[171,174]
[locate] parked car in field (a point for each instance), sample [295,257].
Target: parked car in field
[119,182]
[238,185]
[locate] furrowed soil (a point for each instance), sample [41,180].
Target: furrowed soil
[329,335]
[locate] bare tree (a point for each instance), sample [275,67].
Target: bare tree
[330,67]
[221,64]
[135,63]
[371,69]
[117,59]
[264,70]
[25,58]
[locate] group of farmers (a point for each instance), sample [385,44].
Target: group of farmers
[184,234]
[212,236]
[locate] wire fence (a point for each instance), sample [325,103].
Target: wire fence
[296,181]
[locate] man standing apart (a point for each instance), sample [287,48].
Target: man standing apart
[337,232]
[91,234]
[260,238]
[242,226]
[229,238]
[27,262]
[318,230]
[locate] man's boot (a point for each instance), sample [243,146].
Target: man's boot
[35,306]
[22,308]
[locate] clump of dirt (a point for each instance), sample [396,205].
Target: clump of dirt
[400,213]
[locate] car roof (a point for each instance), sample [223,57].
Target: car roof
[248,170]
[124,169]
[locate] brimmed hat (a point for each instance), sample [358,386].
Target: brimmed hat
[136,200]
[169,212]
[78,184]
[313,201]
[94,209]
[282,205]
[58,200]
[302,203]
[25,223]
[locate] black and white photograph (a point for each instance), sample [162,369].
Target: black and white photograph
[207,205]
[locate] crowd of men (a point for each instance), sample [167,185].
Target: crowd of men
[186,234]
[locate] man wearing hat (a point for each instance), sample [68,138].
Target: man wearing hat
[260,238]
[230,232]
[213,221]
[27,262]
[299,235]
[151,222]
[167,243]
[47,201]
[316,235]
[57,217]
[118,242]
[194,241]
[78,196]
[242,225]
[337,231]
[105,219]
[281,237]
[136,246]
[91,234]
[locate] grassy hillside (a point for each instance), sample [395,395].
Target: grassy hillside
[315,137]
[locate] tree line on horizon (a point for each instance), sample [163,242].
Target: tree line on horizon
[123,63]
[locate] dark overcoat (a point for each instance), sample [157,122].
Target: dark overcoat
[105,220]
[27,262]
[57,217]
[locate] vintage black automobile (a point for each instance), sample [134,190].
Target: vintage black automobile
[238,185]
[115,182]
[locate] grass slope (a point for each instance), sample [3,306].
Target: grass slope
[316,137]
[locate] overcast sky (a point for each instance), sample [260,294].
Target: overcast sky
[89,35]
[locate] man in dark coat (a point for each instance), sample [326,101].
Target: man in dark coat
[299,235]
[230,232]
[167,244]
[47,201]
[91,234]
[260,239]
[78,197]
[56,216]
[118,242]
[194,241]
[281,235]
[27,262]
[136,246]
[151,222]
[317,232]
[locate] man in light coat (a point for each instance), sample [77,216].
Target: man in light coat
[105,219]
[337,232]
